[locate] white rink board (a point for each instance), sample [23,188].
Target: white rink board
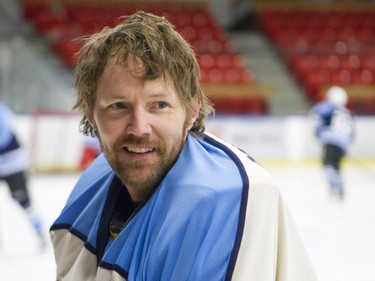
[54,142]
[287,138]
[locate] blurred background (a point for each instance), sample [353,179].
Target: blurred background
[264,64]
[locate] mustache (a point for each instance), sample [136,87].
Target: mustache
[134,140]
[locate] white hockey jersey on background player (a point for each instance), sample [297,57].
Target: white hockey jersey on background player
[13,158]
[333,122]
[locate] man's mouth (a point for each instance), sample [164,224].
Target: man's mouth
[139,149]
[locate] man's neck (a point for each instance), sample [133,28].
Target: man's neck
[138,196]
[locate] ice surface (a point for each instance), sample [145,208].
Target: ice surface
[20,255]
[339,235]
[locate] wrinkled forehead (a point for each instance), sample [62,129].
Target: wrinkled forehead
[131,63]
[137,68]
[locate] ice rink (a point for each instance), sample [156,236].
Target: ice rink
[340,235]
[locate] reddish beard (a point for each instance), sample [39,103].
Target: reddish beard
[140,174]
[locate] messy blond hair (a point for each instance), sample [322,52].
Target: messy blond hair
[162,50]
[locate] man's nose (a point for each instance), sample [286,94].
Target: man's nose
[139,123]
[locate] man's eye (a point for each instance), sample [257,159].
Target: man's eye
[161,104]
[118,105]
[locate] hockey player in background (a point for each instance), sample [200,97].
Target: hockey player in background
[334,128]
[13,170]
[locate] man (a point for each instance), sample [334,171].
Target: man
[334,128]
[165,200]
[13,167]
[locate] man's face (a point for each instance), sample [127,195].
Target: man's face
[141,125]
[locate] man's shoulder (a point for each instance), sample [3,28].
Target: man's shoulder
[253,173]
[323,107]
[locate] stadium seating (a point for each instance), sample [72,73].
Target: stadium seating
[324,47]
[61,24]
